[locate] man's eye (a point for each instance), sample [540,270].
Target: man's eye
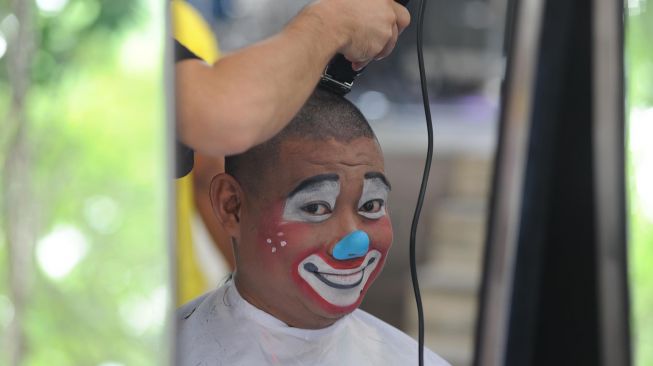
[372,206]
[317,208]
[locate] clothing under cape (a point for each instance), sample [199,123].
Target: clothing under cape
[221,328]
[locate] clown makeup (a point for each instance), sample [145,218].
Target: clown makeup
[375,193]
[325,274]
[339,287]
[313,200]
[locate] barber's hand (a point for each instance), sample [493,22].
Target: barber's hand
[367,29]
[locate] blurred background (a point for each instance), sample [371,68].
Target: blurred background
[639,81]
[84,273]
[464,57]
[84,263]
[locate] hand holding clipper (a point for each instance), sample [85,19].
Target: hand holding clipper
[340,73]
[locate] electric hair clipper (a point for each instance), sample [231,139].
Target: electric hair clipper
[339,76]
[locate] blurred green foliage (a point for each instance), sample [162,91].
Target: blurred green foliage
[96,133]
[639,66]
[639,56]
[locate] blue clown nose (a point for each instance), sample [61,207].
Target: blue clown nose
[354,245]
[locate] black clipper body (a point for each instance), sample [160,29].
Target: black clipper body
[339,75]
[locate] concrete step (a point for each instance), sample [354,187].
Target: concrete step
[445,313]
[456,259]
[470,177]
[449,321]
[456,349]
[459,221]
[449,277]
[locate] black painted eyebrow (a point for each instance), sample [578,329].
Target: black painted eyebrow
[379,175]
[313,181]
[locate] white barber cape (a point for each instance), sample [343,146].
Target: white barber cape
[221,328]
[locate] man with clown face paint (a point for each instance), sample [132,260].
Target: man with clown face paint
[308,218]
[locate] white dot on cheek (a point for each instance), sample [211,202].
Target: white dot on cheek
[269,241]
[283,243]
[279,233]
[274,249]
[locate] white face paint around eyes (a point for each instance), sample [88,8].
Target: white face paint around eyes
[373,189]
[325,192]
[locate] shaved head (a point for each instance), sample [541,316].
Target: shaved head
[324,116]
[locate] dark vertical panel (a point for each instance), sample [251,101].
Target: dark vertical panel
[523,28]
[508,49]
[538,185]
[609,182]
[554,308]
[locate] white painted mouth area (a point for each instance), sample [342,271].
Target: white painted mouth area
[347,284]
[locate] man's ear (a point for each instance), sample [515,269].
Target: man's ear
[226,200]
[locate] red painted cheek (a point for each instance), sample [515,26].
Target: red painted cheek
[282,238]
[380,233]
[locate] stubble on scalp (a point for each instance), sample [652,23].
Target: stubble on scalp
[324,116]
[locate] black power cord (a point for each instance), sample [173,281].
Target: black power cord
[425,178]
[338,77]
